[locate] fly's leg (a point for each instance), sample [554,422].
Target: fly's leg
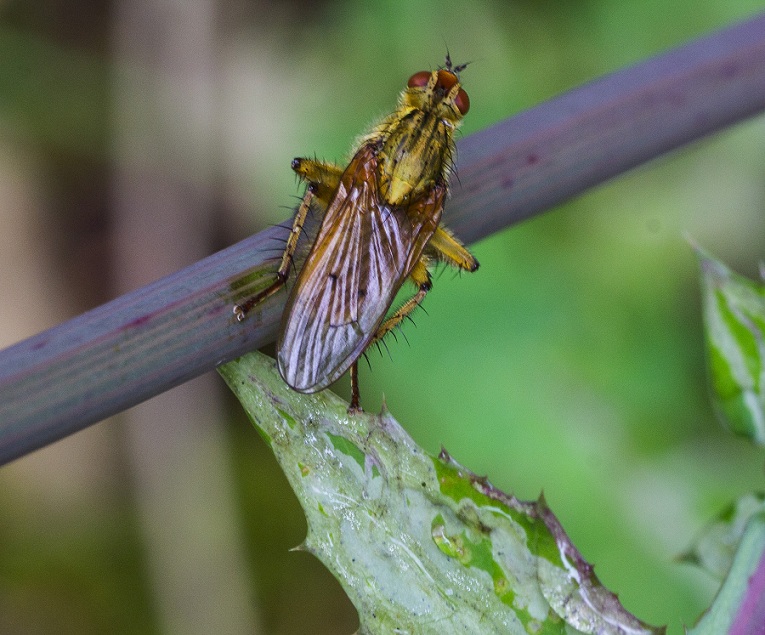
[282,273]
[355,406]
[323,179]
[442,246]
[445,247]
[420,276]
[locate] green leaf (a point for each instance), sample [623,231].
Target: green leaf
[734,321]
[716,547]
[419,543]
[739,608]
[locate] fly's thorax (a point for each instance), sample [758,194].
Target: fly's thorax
[417,141]
[414,154]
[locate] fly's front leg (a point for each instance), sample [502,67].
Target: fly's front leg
[282,273]
[446,248]
[323,179]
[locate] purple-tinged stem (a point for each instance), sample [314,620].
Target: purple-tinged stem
[181,326]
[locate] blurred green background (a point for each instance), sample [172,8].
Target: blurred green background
[571,362]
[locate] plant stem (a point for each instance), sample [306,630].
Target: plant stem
[181,326]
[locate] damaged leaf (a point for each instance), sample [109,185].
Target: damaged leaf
[420,543]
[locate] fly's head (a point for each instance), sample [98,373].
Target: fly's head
[439,92]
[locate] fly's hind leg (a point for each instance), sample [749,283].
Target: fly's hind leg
[355,406]
[442,246]
[420,276]
[323,179]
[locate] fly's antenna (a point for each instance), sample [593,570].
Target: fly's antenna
[456,69]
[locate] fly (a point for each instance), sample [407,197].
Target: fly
[380,225]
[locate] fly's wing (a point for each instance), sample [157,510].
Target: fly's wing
[361,256]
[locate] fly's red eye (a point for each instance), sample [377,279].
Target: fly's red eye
[462,101]
[419,80]
[446,80]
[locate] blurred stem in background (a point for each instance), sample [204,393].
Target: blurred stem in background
[165,103]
